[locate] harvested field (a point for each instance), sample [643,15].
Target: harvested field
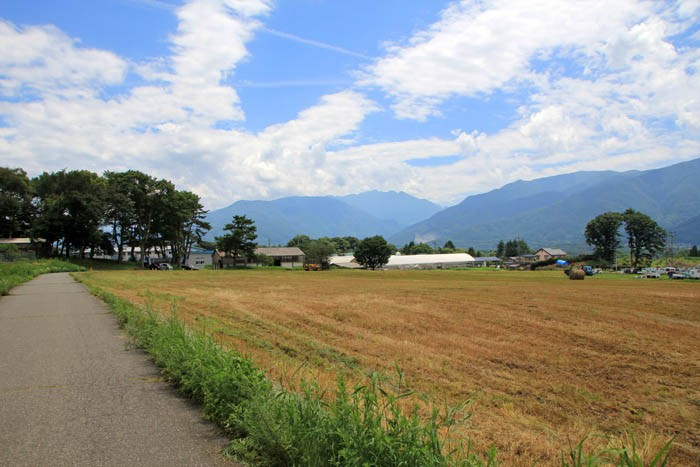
[544,360]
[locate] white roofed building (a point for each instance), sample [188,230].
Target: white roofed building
[437,261]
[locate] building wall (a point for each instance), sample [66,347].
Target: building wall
[218,261]
[541,255]
[199,260]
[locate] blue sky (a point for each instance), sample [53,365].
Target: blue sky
[259,99]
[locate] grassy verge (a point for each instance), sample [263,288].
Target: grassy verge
[363,425]
[15,273]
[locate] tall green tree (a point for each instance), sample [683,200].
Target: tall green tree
[121,208]
[501,249]
[373,252]
[299,241]
[318,251]
[351,243]
[181,223]
[71,208]
[693,251]
[15,203]
[603,233]
[239,242]
[644,236]
[412,248]
[147,195]
[516,247]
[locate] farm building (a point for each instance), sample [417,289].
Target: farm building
[24,246]
[21,243]
[438,261]
[543,254]
[286,257]
[344,261]
[483,261]
[199,258]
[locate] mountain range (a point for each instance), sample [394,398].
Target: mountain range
[547,212]
[360,215]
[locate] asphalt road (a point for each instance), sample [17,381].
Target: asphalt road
[72,392]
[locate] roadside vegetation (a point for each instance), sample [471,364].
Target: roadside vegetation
[17,272]
[542,363]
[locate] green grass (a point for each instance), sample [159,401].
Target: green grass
[104,264]
[626,456]
[15,273]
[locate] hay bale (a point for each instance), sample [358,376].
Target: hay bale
[577,275]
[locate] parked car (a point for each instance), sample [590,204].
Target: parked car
[651,273]
[165,267]
[187,267]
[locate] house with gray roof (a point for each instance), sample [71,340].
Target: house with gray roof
[543,254]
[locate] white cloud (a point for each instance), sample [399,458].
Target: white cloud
[597,85]
[478,47]
[43,60]
[209,43]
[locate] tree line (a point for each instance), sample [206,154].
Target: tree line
[80,211]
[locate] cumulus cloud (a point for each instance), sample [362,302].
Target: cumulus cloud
[601,84]
[596,85]
[478,47]
[42,60]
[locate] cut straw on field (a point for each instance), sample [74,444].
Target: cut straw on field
[544,361]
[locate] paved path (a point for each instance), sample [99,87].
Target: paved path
[73,393]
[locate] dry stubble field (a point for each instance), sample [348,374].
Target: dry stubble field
[544,360]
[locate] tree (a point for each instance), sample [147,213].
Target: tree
[644,236]
[121,213]
[240,241]
[182,223]
[136,202]
[515,247]
[71,208]
[412,248]
[407,249]
[602,233]
[501,249]
[15,203]
[373,252]
[449,245]
[298,241]
[351,242]
[693,251]
[318,251]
